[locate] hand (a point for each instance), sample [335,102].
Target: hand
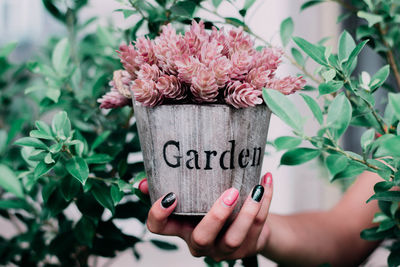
[247,235]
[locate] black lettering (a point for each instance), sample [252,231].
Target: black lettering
[232,151]
[254,156]
[242,156]
[208,159]
[178,158]
[195,158]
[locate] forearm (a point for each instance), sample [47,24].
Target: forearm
[314,238]
[311,239]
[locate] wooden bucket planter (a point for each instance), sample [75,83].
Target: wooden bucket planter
[199,151]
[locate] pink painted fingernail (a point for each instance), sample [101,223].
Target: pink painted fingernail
[267,179]
[230,196]
[141,183]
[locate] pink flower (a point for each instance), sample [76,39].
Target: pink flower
[239,41]
[128,56]
[113,99]
[146,93]
[269,58]
[287,85]
[196,37]
[119,95]
[242,62]
[242,95]
[221,38]
[148,72]
[187,67]
[146,51]
[258,77]
[204,86]
[167,48]
[209,52]
[170,87]
[221,68]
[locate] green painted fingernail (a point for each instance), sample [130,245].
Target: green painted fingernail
[168,200]
[257,193]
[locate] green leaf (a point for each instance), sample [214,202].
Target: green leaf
[163,245]
[3,141]
[339,115]
[298,56]
[248,4]
[299,156]
[371,234]
[70,187]
[15,129]
[314,107]
[184,8]
[103,195]
[6,50]
[105,37]
[382,186]
[60,57]
[317,53]
[216,3]
[394,102]
[116,194]
[10,182]
[98,159]
[235,22]
[394,258]
[42,168]
[44,130]
[310,4]
[100,139]
[352,170]
[31,142]
[371,18]
[48,159]
[286,30]
[329,75]
[346,46]
[128,12]
[16,204]
[287,142]
[379,78]
[329,87]
[85,230]
[53,94]
[367,138]
[78,168]
[348,65]
[336,163]
[282,107]
[61,125]
[391,146]
[386,196]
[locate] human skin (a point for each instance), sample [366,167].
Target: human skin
[303,239]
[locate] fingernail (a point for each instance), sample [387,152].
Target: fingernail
[141,183]
[267,179]
[257,193]
[168,200]
[230,196]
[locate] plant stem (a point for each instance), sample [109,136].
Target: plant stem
[390,56]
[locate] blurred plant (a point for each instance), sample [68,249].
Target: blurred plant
[350,99]
[81,160]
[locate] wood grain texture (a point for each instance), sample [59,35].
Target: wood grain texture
[199,180]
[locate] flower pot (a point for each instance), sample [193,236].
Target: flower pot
[199,151]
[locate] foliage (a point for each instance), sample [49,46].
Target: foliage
[350,99]
[81,159]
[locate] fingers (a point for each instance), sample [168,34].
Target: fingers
[157,220]
[207,230]
[239,229]
[144,186]
[262,215]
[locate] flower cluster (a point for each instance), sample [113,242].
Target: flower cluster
[199,67]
